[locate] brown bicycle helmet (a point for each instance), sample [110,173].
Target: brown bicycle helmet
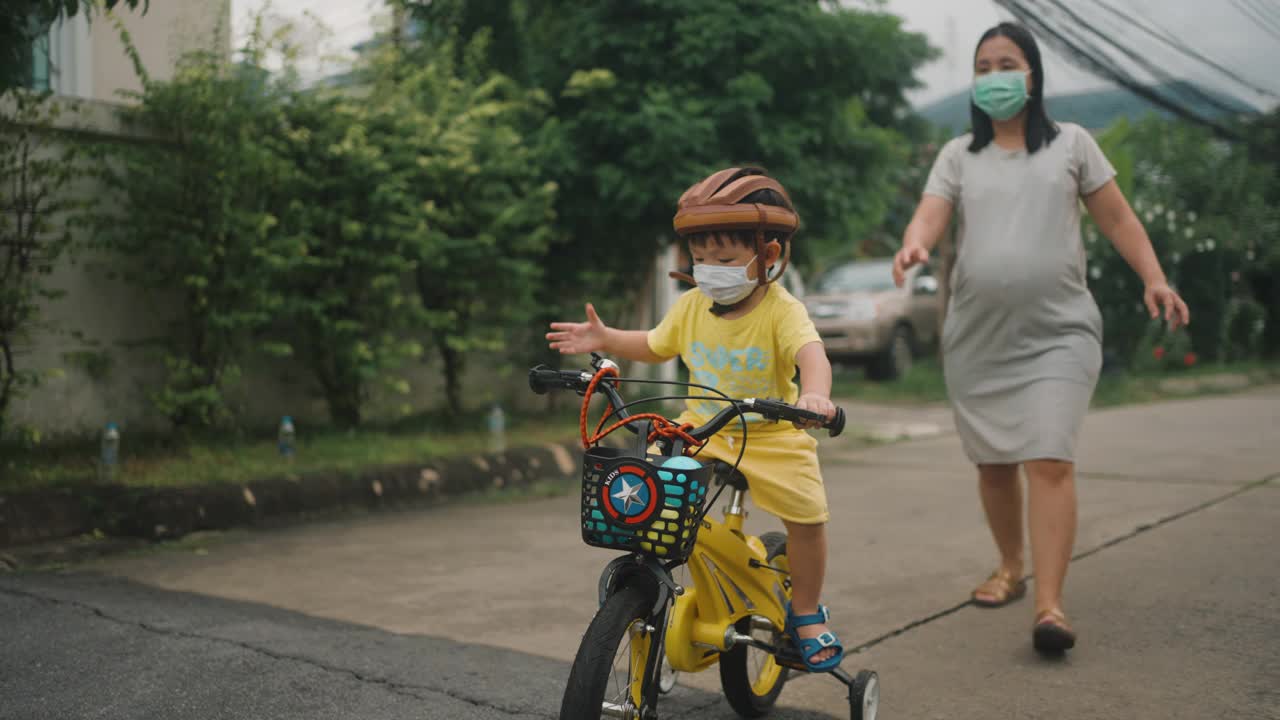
[719,204]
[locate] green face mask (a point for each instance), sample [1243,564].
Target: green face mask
[1001,94]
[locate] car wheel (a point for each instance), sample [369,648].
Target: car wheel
[896,359]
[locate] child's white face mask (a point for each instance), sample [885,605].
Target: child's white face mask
[725,284]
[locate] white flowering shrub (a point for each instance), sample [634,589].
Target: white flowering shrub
[1204,205]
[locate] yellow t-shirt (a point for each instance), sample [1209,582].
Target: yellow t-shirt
[753,356]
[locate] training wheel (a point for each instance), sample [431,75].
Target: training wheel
[864,696]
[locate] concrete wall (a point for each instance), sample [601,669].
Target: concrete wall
[168,29]
[119,324]
[88,59]
[117,327]
[90,68]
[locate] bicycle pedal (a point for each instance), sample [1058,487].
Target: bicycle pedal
[791,660]
[787,656]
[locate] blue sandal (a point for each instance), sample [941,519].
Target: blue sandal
[809,647]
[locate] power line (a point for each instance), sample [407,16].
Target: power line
[1086,53]
[1269,13]
[1142,61]
[1166,38]
[1154,22]
[1078,23]
[1258,20]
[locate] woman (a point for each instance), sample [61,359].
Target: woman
[1022,338]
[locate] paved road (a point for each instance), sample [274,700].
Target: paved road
[475,611]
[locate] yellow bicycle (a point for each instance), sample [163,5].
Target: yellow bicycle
[650,501]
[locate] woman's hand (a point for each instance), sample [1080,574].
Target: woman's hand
[908,257]
[1159,298]
[815,403]
[575,338]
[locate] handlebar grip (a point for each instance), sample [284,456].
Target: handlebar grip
[836,425]
[538,380]
[783,411]
[543,379]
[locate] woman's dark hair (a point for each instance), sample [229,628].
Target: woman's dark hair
[1040,129]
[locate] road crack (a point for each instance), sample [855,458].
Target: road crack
[404,689]
[1139,530]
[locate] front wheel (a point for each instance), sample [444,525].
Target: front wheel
[751,678]
[608,672]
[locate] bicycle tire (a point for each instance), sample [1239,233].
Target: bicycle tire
[753,699]
[589,679]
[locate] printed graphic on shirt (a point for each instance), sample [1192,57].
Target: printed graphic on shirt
[752,356]
[738,373]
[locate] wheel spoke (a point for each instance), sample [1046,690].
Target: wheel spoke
[621,694]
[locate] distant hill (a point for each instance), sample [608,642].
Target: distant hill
[1094,110]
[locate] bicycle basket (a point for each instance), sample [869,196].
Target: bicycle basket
[646,505]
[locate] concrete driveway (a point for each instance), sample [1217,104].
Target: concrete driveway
[1175,592]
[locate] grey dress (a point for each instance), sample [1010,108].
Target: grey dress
[1023,336]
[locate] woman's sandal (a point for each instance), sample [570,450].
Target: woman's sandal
[1003,586]
[809,647]
[1051,634]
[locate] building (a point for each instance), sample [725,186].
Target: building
[84,57]
[83,61]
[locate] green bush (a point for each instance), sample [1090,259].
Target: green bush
[196,223]
[1204,204]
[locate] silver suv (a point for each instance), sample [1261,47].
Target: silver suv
[864,318]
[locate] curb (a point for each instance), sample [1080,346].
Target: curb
[165,513]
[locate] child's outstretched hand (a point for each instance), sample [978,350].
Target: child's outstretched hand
[576,338]
[815,403]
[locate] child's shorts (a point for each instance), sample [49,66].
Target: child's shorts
[781,466]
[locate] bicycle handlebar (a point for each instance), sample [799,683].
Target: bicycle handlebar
[543,379]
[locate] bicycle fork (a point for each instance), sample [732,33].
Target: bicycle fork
[654,630]
[642,568]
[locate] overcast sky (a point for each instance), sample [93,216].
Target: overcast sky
[1215,28]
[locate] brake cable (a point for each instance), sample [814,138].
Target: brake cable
[662,427]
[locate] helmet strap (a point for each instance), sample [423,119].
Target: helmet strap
[785,259]
[762,272]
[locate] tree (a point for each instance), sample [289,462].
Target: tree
[649,97]
[1263,270]
[350,222]
[196,224]
[24,21]
[34,227]
[1205,204]
[461,141]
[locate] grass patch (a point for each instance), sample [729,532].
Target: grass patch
[922,384]
[1135,388]
[159,462]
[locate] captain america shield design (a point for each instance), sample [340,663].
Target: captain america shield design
[629,494]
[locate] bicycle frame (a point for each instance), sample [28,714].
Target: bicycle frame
[731,581]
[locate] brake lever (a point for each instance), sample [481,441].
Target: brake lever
[834,425]
[600,362]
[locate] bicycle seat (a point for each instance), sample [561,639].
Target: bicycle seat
[725,474]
